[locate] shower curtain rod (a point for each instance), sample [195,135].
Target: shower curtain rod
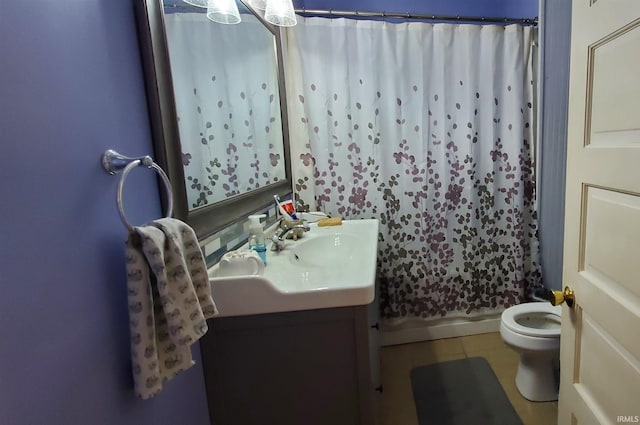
[361,14]
[446,18]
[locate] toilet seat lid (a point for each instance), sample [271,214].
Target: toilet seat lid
[511,315]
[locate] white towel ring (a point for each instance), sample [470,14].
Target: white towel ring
[114,163]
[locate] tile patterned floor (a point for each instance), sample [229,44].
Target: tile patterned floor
[396,403]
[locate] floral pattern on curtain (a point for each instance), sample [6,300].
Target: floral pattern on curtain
[226,90]
[428,128]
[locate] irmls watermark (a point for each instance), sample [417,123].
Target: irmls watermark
[634,419]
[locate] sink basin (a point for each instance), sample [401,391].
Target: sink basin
[333,250]
[328,267]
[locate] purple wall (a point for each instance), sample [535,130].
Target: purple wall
[493,8]
[70,87]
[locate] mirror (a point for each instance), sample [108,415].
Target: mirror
[218,110]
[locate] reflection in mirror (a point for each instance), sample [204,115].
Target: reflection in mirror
[218,111]
[225,80]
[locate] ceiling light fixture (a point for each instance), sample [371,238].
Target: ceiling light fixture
[280,13]
[223,11]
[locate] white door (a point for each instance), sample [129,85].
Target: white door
[600,353]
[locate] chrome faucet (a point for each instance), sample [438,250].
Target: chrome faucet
[278,237]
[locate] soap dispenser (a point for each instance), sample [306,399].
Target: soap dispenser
[257,240]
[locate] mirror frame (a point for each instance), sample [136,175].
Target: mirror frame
[163,117]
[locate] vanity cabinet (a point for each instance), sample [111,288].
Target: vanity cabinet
[312,367]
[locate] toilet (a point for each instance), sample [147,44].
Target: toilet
[533,330]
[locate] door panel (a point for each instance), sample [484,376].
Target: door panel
[612,237]
[599,348]
[613,64]
[600,343]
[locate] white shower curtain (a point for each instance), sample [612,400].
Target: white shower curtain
[429,128]
[226,90]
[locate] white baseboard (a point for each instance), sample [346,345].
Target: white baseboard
[417,332]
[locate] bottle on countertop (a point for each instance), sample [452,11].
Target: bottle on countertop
[257,240]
